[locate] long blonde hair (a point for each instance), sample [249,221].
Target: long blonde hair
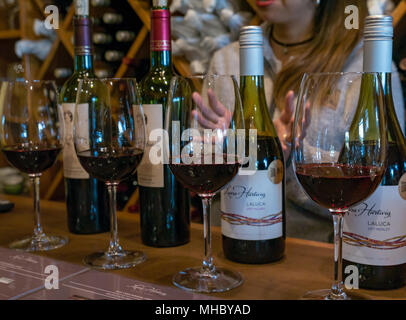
[327,52]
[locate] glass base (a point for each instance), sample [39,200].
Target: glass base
[122,260]
[197,280]
[39,243]
[326,294]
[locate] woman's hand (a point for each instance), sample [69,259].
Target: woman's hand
[284,124]
[214,117]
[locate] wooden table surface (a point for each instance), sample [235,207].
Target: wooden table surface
[307,265]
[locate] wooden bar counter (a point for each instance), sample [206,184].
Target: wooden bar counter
[307,265]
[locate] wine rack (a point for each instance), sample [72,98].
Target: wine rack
[62,53]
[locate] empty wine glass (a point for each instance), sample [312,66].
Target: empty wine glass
[202,121]
[31,131]
[339,149]
[109,138]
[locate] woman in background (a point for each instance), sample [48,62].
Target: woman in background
[303,36]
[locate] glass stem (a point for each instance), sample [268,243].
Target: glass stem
[114,247]
[337,289]
[208,265]
[38,233]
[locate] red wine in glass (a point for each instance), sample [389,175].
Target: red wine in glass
[31,160]
[108,166]
[110,148]
[31,140]
[205,178]
[338,186]
[339,150]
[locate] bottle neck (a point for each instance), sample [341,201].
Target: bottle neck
[253,95]
[160,38]
[83,63]
[377,55]
[386,78]
[256,114]
[378,58]
[161,58]
[83,44]
[251,61]
[253,86]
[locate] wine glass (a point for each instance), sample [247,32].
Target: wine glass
[109,138]
[339,150]
[31,131]
[202,124]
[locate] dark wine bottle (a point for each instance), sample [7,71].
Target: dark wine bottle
[164,203]
[86,198]
[258,197]
[373,230]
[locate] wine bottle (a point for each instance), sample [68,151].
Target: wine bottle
[257,197]
[86,198]
[164,203]
[373,230]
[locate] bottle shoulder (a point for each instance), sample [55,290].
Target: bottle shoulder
[157,74]
[155,84]
[69,88]
[269,149]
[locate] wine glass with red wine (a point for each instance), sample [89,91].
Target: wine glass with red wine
[31,131]
[109,138]
[204,131]
[339,150]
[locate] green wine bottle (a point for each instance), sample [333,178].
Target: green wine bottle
[164,203]
[380,220]
[85,197]
[260,196]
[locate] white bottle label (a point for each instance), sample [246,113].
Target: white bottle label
[374,231]
[71,165]
[251,207]
[149,174]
